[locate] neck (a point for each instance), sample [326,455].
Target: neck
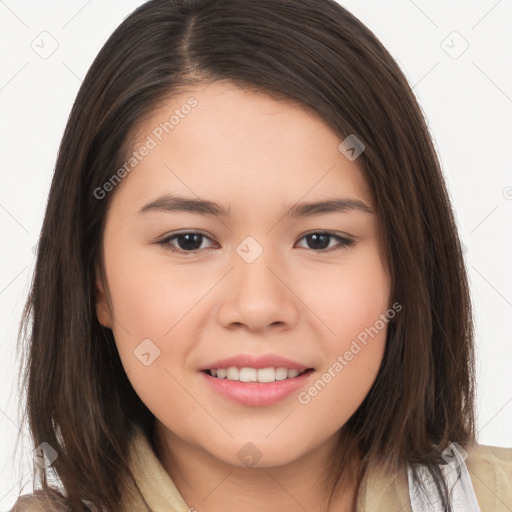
[210,485]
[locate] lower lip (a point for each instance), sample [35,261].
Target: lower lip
[256,394]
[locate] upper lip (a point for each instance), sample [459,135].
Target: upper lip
[258,362]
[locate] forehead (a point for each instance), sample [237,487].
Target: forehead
[238,145]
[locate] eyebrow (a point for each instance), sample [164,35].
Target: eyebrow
[172,203]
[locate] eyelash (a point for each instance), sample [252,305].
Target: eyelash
[343,241]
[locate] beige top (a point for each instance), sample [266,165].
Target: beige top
[490,469]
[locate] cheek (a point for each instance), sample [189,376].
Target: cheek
[350,298]
[151,315]
[152,297]
[153,304]
[353,361]
[355,306]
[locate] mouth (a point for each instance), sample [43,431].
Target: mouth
[256,387]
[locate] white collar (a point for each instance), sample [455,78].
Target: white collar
[459,484]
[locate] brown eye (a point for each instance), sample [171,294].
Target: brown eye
[320,241]
[187,243]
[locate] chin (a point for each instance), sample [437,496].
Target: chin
[258,451]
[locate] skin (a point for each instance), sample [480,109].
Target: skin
[257,157]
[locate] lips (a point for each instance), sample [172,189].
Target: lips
[254,391]
[258,362]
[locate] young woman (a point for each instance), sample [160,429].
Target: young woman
[249,291]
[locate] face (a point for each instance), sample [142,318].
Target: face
[257,283]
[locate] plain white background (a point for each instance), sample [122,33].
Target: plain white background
[457,55]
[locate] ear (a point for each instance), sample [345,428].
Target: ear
[102,309]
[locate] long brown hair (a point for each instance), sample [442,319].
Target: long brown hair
[313,52]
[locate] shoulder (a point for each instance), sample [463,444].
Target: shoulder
[39,501]
[490,469]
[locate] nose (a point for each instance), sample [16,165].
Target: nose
[259,296]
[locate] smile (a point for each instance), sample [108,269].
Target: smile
[252,391]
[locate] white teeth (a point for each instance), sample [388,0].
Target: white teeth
[266,375]
[281,373]
[248,375]
[233,373]
[255,375]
